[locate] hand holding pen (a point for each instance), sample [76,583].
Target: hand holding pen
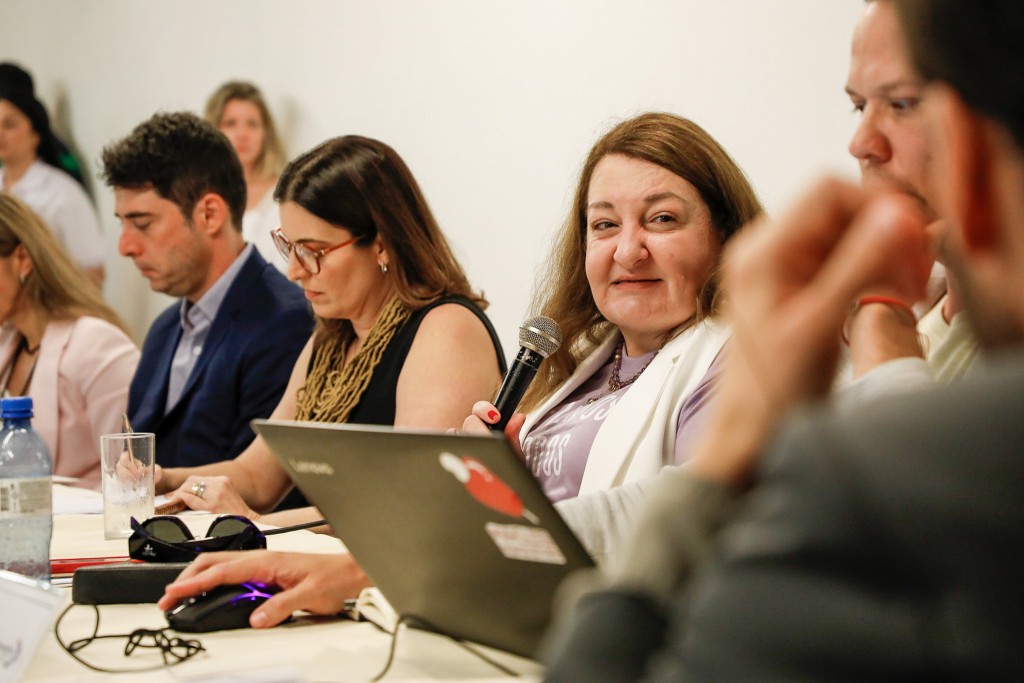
[128,466]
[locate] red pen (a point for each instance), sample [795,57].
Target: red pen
[69,565]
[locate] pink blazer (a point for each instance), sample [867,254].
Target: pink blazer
[79,389]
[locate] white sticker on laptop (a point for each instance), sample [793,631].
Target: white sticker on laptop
[529,544]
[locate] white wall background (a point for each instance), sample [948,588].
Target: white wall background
[492,104]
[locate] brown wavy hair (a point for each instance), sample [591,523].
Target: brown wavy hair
[56,285]
[363,186]
[677,145]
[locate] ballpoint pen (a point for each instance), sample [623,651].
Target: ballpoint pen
[126,427]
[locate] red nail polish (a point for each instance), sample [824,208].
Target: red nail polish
[492,414]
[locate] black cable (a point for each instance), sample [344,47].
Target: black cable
[295,527]
[391,651]
[170,646]
[423,624]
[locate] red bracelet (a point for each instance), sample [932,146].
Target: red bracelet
[887,300]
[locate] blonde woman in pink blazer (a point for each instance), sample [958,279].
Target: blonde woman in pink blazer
[60,343]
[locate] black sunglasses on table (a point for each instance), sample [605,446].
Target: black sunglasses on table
[165,538]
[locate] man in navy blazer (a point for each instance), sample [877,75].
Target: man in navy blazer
[222,354]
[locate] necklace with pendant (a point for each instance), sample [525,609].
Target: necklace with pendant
[614,382]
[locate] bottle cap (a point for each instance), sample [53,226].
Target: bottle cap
[16,407]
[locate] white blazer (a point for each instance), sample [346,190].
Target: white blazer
[638,437]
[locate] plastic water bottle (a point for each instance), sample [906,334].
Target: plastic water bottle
[26,512]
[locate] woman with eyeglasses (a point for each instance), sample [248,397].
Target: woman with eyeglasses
[401,338]
[60,343]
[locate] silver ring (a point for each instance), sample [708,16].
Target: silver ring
[198,489]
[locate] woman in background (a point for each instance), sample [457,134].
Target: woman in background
[13,75]
[32,172]
[239,110]
[60,344]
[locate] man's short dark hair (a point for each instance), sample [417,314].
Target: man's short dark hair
[975,47]
[180,156]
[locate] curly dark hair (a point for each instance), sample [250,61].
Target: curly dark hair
[180,156]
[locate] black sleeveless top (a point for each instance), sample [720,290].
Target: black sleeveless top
[377,404]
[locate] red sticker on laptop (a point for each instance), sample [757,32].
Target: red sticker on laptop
[514,541]
[486,488]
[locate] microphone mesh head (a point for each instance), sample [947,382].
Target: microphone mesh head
[541,334]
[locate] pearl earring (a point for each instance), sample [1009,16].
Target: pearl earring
[384,268]
[22,278]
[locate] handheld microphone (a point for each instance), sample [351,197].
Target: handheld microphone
[539,337]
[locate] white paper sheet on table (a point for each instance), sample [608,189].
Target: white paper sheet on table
[70,500]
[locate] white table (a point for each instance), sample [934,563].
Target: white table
[309,648]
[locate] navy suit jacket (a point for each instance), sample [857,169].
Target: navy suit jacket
[260,329]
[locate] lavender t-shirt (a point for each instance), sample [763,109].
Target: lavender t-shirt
[558,446]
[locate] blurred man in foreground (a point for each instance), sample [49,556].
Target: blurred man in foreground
[884,543]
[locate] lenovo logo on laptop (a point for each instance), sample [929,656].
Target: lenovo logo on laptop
[310,467]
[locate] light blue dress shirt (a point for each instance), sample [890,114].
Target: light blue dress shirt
[196,320]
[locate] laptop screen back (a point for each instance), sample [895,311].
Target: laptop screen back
[453,529]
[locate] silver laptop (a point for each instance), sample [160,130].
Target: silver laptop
[453,529]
